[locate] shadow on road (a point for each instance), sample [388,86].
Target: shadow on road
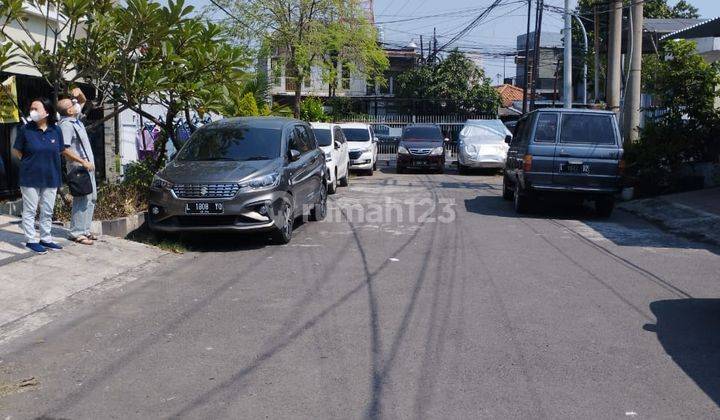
[689,331]
[621,229]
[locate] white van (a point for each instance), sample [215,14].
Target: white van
[482,145]
[362,145]
[332,141]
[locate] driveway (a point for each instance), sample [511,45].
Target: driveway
[421,296]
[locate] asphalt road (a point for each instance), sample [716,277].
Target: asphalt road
[422,296]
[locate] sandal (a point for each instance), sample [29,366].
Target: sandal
[83,240]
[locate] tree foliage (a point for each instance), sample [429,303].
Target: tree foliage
[456,81]
[311,110]
[329,34]
[687,128]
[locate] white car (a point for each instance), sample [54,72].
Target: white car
[482,145]
[331,140]
[362,145]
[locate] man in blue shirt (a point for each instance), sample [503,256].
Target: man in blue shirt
[38,145]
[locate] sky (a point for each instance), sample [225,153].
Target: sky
[495,35]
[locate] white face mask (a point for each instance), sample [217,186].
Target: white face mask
[36,116]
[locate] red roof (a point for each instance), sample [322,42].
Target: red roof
[509,94]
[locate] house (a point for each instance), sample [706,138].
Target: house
[509,96]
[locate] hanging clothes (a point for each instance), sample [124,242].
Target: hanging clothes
[145,142]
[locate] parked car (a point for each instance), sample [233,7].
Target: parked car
[421,146]
[482,145]
[565,151]
[332,142]
[244,175]
[362,146]
[385,134]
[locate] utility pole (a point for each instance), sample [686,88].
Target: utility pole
[583,96]
[596,47]
[567,57]
[614,45]
[527,58]
[632,94]
[422,50]
[536,51]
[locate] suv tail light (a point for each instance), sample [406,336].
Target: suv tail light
[527,163]
[621,167]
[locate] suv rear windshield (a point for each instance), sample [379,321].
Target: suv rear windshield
[356,134]
[422,133]
[323,136]
[232,144]
[587,129]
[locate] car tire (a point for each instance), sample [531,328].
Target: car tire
[462,169]
[507,193]
[441,170]
[399,169]
[370,172]
[283,234]
[332,187]
[319,210]
[521,202]
[344,181]
[604,206]
[374,168]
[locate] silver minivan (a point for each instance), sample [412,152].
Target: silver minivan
[571,152]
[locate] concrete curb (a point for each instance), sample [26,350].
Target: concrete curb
[119,228]
[676,218]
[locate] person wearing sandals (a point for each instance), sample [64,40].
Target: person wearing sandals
[78,152]
[38,146]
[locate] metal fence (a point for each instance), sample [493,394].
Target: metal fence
[389,136]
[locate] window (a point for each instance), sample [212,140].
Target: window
[339,137]
[323,136]
[521,131]
[238,143]
[546,128]
[587,129]
[307,139]
[356,134]
[422,133]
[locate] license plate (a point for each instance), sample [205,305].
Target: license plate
[420,163]
[575,168]
[204,208]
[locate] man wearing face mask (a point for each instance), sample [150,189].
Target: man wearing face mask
[78,152]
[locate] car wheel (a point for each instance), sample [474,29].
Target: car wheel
[370,172]
[399,169]
[604,206]
[332,187]
[374,168]
[441,170]
[507,192]
[344,181]
[521,201]
[283,233]
[319,210]
[462,169]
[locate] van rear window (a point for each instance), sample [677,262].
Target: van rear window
[587,129]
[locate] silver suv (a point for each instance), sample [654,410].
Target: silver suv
[242,174]
[569,152]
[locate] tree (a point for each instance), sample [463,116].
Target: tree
[652,9]
[306,33]
[456,81]
[687,128]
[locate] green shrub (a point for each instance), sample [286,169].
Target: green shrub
[311,109]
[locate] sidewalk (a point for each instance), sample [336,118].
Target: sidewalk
[29,282]
[694,214]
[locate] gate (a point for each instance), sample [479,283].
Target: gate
[388,129]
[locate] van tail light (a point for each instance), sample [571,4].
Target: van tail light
[621,167]
[527,163]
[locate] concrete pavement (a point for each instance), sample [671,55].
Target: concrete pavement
[457,309]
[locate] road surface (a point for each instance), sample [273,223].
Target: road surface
[421,296]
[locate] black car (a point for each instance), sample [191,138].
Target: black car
[565,152]
[421,146]
[243,175]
